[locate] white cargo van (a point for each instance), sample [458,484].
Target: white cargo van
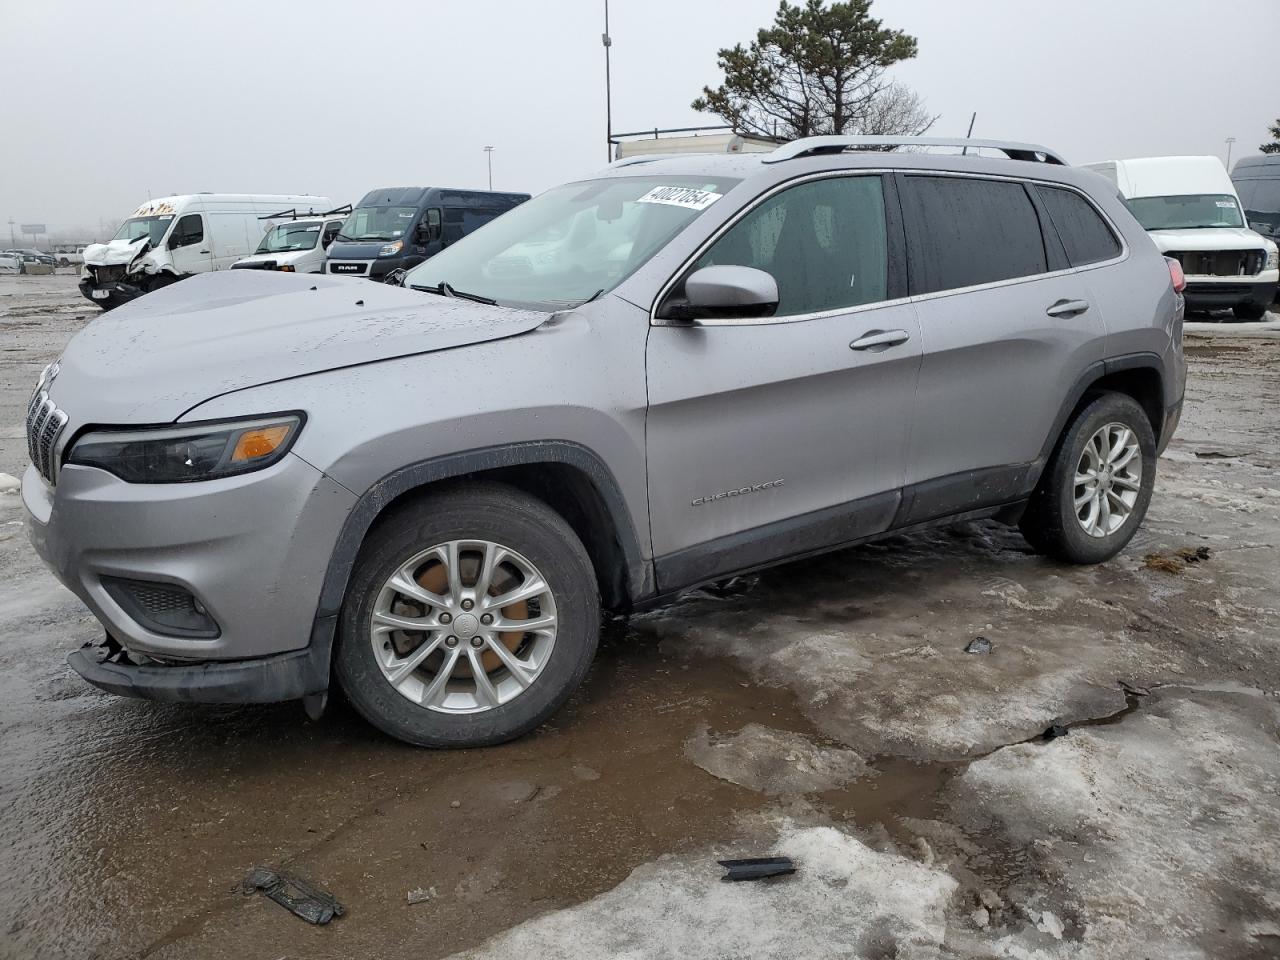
[170,238]
[298,245]
[1191,210]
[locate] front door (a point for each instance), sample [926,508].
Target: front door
[770,438]
[189,245]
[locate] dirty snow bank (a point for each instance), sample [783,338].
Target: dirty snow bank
[1149,836]
[847,900]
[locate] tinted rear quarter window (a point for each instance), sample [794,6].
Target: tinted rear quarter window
[965,231]
[1084,233]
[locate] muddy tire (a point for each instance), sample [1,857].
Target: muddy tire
[1096,487]
[470,618]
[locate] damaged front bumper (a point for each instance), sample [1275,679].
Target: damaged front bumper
[286,676]
[110,293]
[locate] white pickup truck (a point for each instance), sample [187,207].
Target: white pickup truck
[296,246]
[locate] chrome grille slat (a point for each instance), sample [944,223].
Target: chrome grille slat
[44,425]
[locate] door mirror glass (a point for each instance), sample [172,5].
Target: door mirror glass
[727,291]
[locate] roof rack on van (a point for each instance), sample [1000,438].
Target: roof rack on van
[293,213]
[810,146]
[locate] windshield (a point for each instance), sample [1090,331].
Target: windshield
[1261,199]
[378,223]
[285,237]
[573,242]
[152,228]
[1191,212]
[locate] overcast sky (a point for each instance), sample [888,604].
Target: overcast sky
[103,104]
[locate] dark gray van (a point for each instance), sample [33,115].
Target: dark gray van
[1257,180]
[395,228]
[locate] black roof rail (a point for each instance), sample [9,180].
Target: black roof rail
[293,214]
[812,146]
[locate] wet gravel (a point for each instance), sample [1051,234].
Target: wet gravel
[826,708]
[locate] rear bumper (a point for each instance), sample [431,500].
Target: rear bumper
[288,676]
[1215,294]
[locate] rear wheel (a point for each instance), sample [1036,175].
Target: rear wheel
[1095,489]
[470,618]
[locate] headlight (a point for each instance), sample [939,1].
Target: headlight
[286,267]
[391,249]
[1273,258]
[198,451]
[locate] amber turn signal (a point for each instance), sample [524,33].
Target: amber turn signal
[259,442]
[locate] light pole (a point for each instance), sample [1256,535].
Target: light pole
[608,91]
[1230,141]
[488,153]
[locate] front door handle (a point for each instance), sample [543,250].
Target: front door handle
[1068,308]
[882,339]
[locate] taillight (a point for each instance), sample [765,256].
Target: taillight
[1176,275]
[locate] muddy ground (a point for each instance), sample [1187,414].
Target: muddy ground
[825,711]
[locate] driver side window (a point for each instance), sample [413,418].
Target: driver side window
[189,230]
[824,242]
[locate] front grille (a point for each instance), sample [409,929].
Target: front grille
[1220,263]
[44,424]
[109,273]
[348,268]
[256,265]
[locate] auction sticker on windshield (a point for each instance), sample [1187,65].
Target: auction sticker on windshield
[686,197]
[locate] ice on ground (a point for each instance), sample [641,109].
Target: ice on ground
[774,762]
[9,483]
[1154,834]
[845,900]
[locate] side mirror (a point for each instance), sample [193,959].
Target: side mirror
[725,292]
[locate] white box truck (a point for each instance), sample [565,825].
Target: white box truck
[1190,208]
[170,238]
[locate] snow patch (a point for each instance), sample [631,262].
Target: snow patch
[774,762]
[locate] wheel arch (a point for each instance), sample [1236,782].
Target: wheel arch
[566,476]
[1138,375]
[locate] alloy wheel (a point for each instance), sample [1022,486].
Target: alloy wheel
[1108,480]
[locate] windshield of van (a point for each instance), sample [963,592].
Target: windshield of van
[1197,211]
[152,228]
[1261,199]
[285,237]
[573,242]
[378,223]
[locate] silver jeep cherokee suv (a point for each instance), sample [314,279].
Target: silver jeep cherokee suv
[682,368]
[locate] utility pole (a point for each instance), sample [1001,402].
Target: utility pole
[12,241]
[488,152]
[608,90]
[1230,142]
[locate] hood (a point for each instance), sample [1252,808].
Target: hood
[288,256]
[114,251]
[154,358]
[1210,238]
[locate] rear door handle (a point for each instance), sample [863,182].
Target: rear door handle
[880,338]
[1068,308]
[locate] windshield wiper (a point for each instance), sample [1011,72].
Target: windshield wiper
[443,289]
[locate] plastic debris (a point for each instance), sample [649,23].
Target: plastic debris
[756,868]
[420,895]
[978,645]
[1055,731]
[300,898]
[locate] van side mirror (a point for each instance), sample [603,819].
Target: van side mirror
[724,292]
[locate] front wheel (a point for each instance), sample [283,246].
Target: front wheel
[1249,311]
[1096,487]
[470,618]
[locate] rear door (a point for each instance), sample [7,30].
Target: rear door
[1008,328]
[771,437]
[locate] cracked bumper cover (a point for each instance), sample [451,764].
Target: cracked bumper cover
[286,676]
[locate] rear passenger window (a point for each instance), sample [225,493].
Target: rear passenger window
[964,232]
[1084,233]
[824,242]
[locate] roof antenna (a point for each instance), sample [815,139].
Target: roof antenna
[969,135]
